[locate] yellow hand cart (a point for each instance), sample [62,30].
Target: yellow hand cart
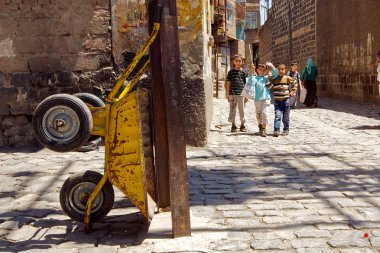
[64,122]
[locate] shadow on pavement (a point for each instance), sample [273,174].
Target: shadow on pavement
[276,182]
[284,182]
[120,230]
[34,219]
[365,127]
[24,149]
[346,106]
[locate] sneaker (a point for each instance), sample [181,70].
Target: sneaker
[285,132]
[276,133]
[243,129]
[293,107]
[263,132]
[233,129]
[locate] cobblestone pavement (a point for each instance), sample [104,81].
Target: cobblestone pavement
[316,190]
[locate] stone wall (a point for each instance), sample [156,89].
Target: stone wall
[48,47]
[129,31]
[348,39]
[129,28]
[342,38]
[266,41]
[293,31]
[196,54]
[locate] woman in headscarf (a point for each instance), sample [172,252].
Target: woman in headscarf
[309,78]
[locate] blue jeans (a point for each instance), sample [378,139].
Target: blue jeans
[282,111]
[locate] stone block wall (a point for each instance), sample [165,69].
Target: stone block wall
[195,43]
[266,41]
[129,27]
[293,31]
[129,31]
[51,46]
[48,47]
[348,38]
[342,38]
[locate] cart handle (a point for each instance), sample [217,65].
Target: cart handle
[137,58]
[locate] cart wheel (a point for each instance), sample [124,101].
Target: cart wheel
[62,122]
[91,101]
[77,189]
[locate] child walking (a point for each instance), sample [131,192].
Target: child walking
[262,97]
[293,73]
[236,79]
[284,87]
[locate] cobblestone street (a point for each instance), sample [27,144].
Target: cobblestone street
[316,190]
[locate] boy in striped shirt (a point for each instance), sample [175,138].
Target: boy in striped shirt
[284,87]
[236,79]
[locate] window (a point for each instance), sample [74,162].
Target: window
[230,13]
[251,20]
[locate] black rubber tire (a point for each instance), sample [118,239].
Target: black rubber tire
[90,99]
[94,101]
[74,110]
[83,184]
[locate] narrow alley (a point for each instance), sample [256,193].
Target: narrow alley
[316,190]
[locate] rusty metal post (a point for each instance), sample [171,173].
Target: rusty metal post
[226,41]
[171,72]
[170,76]
[225,21]
[217,70]
[227,63]
[160,137]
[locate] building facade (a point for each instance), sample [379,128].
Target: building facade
[343,39]
[235,30]
[50,46]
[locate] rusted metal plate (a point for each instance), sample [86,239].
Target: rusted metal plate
[144,106]
[125,162]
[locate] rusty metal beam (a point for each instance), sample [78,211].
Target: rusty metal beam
[171,73]
[167,71]
[217,70]
[160,138]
